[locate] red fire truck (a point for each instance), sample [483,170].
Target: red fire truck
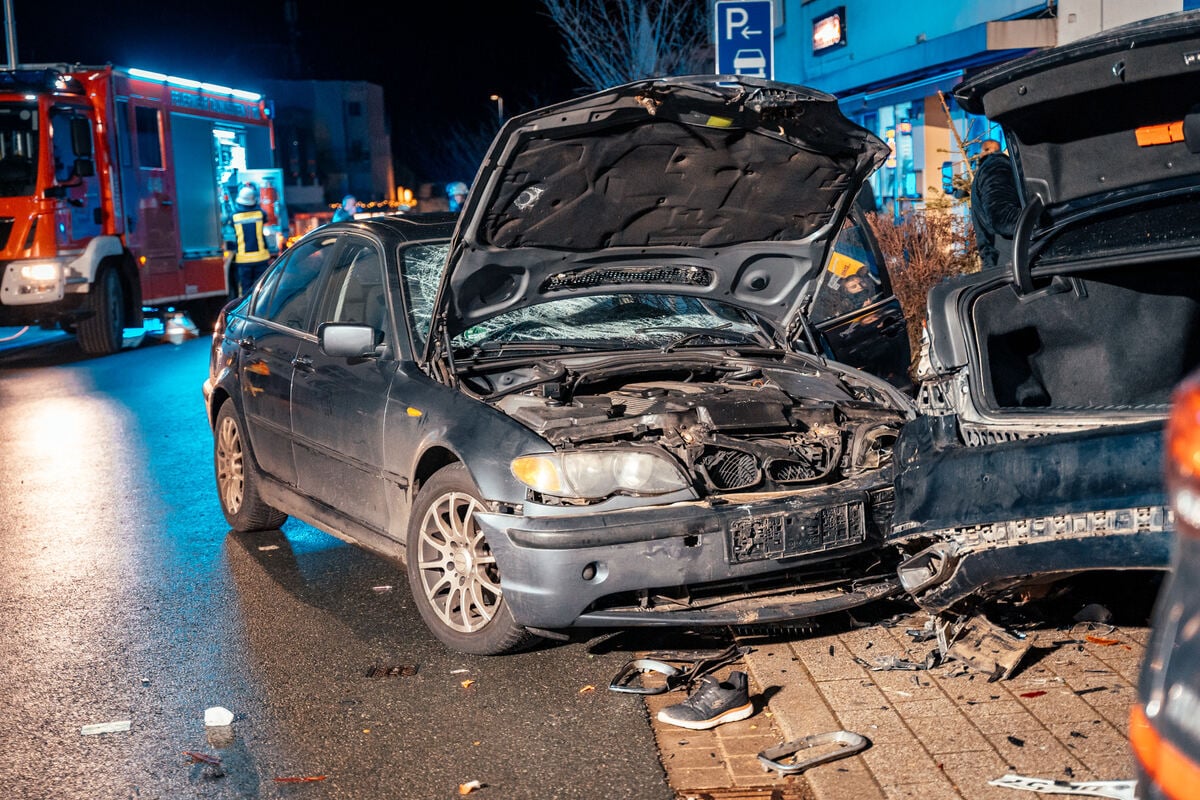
[114,184]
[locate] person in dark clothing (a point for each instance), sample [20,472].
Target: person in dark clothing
[347,209]
[995,205]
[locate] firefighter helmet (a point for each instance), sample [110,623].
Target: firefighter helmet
[247,196]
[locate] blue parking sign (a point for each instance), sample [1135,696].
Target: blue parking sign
[745,37]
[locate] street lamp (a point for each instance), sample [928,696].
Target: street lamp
[499,107]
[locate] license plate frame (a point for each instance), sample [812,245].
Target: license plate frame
[791,534]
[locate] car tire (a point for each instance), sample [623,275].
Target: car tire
[452,573]
[104,331]
[238,478]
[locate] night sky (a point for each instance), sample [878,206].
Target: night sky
[438,61]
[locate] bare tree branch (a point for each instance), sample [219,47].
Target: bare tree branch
[610,42]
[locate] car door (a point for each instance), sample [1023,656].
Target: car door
[338,404]
[855,310]
[277,322]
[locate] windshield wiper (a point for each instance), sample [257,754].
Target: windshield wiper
[688,334]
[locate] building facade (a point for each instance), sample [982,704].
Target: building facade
[892,66]
[332,139]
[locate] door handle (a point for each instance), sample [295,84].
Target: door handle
[303,363]
[247,344]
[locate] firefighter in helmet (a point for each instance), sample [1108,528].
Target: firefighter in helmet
[250,254]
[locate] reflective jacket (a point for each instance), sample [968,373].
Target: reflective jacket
[251,244]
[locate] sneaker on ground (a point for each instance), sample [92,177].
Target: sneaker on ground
[714,703]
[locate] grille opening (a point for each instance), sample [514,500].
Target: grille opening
[730,469]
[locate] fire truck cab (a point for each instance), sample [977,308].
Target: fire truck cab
[115,185]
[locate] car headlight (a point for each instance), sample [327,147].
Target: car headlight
[595,474]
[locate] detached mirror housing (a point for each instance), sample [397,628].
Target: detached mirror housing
[348,340]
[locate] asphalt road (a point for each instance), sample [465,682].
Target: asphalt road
[124,596]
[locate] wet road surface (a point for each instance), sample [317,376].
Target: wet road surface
[123,596]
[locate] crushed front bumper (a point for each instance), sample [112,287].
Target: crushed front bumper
[979,520]
[561,571]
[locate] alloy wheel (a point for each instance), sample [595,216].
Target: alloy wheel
[459,576]
[231,476]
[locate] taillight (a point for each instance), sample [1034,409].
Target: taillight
[1183,457]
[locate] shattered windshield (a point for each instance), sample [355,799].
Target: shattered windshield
[635,321]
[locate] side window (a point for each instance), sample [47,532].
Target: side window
[287,296]
[851,279]
[60,135]
[422,266]
[356,290]
[149,145]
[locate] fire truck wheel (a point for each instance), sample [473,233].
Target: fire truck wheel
[238,478]
[103,332]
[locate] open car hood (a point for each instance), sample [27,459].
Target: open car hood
[712,186]
[1101,121]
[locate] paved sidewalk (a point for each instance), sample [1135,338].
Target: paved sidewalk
[941,734]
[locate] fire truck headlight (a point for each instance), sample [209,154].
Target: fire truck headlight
[47,272]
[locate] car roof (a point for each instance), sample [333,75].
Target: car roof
[406,227]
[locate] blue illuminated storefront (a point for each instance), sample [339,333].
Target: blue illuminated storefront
[892,66]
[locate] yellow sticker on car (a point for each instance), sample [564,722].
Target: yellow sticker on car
[844,266]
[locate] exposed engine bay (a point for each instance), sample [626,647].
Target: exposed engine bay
[735,424]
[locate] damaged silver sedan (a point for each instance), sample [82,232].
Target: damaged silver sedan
[598,398]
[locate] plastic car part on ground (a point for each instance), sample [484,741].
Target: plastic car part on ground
[680,669]
[1117,790]
[824,747]
[981,645]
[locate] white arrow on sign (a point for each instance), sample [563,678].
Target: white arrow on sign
[738,18]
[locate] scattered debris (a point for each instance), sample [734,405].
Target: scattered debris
[1082,692]
[1117,790]
[212,764]
[622,681]
[889,663]
[680,668]
[459,671]
[587,689]
[201,758]
[381,589]
[1016,742]
[825,747]
[469,786]
[1078,735]
[467,684]
[1102,641]
[981,644]
[392,670]
[145,681]
[269,547]
[1094,612]
[105,727]
[217,717]
[1037,693]
[300,779]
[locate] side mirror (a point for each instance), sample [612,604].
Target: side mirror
[84,168]
[348,340]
